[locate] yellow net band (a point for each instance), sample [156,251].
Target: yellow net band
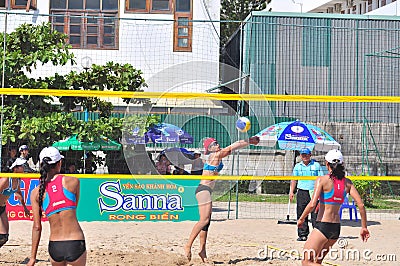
[198,177]
[184,95]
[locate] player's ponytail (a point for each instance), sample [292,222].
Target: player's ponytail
[338,171]
[44,169]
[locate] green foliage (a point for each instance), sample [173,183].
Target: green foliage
[43,131]
[237,10]
[139,121]
[368,190]
[112,77]
[39,121]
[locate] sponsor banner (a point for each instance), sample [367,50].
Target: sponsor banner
[14,208]
[138,200]
[123,200]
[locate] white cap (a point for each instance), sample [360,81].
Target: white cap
[334,156]
[18,162]
[197,152]
[23,147]
[52,153]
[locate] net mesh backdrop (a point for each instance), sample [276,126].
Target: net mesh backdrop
[110,79]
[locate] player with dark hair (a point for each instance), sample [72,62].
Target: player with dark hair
[331,190]
[58,196]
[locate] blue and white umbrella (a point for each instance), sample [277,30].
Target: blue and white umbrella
[160,133]
[296,135]
[168,133]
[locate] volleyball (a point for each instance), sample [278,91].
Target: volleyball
[243,124]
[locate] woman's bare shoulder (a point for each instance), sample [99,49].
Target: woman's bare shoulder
[323,179]
[70,181]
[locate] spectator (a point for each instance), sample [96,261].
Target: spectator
[180,170]
[90,165]
[71,169]
[24,154]
[163,165]
[12,152]
[197,164]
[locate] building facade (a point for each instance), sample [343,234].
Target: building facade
[354,7]
[151,35]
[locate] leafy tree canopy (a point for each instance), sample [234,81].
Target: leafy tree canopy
[237,10]
[39,121]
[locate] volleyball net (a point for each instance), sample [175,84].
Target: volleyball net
[107,100]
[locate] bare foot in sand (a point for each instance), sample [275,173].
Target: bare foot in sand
[188,253]
[203,255]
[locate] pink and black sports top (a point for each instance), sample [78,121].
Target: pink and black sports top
[58,198]
[337,195]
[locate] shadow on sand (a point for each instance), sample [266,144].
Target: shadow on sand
[358,223]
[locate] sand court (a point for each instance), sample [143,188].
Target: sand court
[231,242]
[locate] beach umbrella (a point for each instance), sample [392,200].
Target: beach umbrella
[101,144]
[177,156]
[296,135]
[73,143]
[70,143]
[160,133]
[168,133]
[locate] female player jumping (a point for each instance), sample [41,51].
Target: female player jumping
[212,167]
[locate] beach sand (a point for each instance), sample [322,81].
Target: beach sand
[233,242]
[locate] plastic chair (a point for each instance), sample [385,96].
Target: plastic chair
[349,206]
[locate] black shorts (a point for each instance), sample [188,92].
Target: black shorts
[69,250]
[202,187]
[2,209]
[329,230]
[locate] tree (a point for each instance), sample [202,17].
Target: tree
[38,121]
[237,10]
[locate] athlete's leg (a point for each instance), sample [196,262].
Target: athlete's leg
[205,208]
[313,247]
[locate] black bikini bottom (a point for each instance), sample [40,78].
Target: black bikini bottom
[69,250]
[329,230]
[202,187]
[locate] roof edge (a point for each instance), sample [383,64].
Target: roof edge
[319,15]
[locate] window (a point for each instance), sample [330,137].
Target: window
[183,26]
[19,4]
[89,24]
[148,6]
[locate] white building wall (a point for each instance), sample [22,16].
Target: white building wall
[295,5]
[147,44]
[391,8]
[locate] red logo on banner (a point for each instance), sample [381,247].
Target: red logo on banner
[14,208]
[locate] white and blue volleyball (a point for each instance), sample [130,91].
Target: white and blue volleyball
[243,124]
